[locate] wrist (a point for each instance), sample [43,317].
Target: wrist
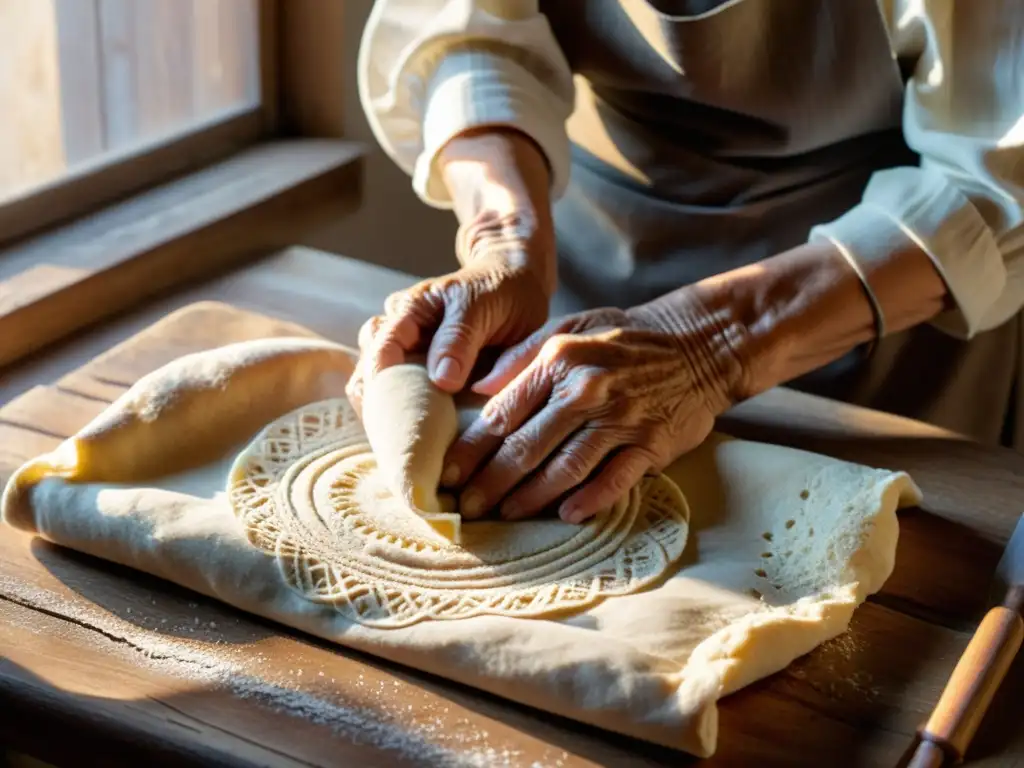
[496,169]
[802,309]
[499,181]
[783,317]
[517,240]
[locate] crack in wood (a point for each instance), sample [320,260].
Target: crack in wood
[9,422]
[71,391]
[77,622]
[111,382]
[175,720]
[232,734]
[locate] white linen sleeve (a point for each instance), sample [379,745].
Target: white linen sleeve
[431,69]
[964,116]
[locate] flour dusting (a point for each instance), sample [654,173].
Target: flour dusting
[385,721]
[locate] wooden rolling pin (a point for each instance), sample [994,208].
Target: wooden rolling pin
[981,669]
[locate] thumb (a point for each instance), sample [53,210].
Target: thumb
[511,363]
[455,347]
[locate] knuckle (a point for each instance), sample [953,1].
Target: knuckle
[456,332]
[586,389]
[619,482]
[575,463]
[454,291]
[519,450]
[558,349]
[412,302]
[577,459]
[396,303]
[498,416]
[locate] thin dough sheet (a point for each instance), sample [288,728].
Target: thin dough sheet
[776,549]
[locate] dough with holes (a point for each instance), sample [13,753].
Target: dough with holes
[780,548]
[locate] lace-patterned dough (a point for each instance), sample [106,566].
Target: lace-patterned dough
[308,490]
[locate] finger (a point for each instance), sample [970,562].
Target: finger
[515,359]
[401,330]
[520,454]
[369,330]
[394,339]
[567,469]
[512,362]
[456,346]
[404,302]
[412,315]
[625,469]
[501,416]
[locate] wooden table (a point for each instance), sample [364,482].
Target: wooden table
[105,666]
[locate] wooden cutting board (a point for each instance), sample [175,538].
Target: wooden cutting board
[112,659]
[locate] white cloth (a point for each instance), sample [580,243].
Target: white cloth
[782,547]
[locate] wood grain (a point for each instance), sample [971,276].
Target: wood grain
[192,228]
[146,90]
[857,701]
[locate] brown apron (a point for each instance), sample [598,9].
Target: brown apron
[710,134]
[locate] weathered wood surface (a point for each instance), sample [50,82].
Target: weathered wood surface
[190,229]
[119,661]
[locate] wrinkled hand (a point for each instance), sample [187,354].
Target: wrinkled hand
[585,406]
[490,302]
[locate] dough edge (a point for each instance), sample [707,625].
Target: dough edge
[725,652]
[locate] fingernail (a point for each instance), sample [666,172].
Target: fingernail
[447,370]
[472,504]
[573,515]
[450,476]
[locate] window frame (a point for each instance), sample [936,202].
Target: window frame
[105,239]
[115,176]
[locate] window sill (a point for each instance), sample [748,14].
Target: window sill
[260,200]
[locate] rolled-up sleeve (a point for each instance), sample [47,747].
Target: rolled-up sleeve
[964,116]
[429,70]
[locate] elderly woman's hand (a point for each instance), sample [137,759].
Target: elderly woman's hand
[587,405]
[494,301]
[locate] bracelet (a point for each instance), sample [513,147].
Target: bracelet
[876,307]
[881,330]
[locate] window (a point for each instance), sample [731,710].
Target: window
[85,84]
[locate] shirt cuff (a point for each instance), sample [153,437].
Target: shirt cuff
[913,207]
[473,89]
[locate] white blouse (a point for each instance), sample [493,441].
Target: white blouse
[430,69]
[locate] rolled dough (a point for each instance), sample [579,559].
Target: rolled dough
[309,490]
[782,546]
[410,423]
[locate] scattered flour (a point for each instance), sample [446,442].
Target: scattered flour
[847,645]
[421,741]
